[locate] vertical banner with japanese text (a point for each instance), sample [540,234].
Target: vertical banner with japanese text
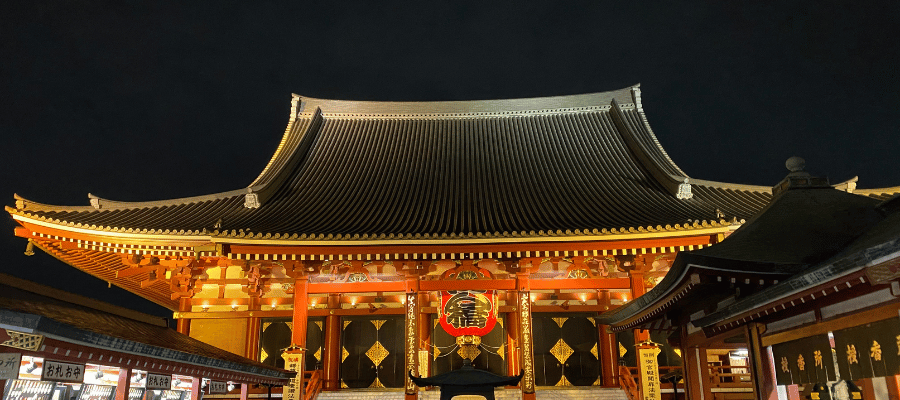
[649,370]
[293,361]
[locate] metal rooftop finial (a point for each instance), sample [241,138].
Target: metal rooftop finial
[795,164]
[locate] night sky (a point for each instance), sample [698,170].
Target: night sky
[152,102]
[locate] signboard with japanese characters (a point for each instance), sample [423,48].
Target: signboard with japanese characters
[803,361]
[62,371]
[216,387]
[649,370]
[9,365]
[159,382]
[869,350]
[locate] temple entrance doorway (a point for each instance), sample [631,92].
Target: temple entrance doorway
[372,351]
[565,350]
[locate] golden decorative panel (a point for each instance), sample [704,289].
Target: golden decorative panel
[465,352]
[436,322]
[593,321]
[563,382]
[344,353]
[377,353]
[500,321]
[502,351]
[344,385]
[622,350]
[437,352]
[24,341]
[346,323]
[378,323]
[318,354]
[377,383]
[598,382]
[319,324]
[266,325]
[262,354]
[561,351]
[594,351]
[290,325]
[560,321]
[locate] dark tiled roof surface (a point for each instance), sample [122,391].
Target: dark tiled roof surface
[356,168]
[105,330]
[800,228]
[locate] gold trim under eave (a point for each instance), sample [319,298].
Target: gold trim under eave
[676,232]
[683,232]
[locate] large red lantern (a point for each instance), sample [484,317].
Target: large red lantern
[468,312]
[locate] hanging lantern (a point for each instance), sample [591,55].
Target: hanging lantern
[468,312]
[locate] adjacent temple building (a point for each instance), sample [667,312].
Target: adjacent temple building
[387,237]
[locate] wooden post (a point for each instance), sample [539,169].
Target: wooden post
[331,360]
[513,363]
[253,330]
[609,351]
[696,373]
[301,311]
[637,290]
[245,391]
[526,345]
[184,324]
[196,387]
[762,376]
[893,386]
[123,385]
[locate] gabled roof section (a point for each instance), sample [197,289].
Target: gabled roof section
[568,165]
[801,227]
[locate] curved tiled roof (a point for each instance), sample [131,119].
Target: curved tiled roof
[583,163]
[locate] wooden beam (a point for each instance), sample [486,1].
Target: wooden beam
[859,317]
[357,287]
[476,284]
[588,284]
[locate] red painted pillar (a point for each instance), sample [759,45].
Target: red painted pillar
[184,324]
[196,387]
[123,384]
[513,363]
[245,391]
[637,290]
[609,351]
[301,311]
[331,360]
[893,386]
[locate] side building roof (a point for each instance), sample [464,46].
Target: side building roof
[569,165]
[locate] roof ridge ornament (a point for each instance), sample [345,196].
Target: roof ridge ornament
[798,178]
[95,201]
[684,190]
[251,200]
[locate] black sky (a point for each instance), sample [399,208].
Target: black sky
[154,101]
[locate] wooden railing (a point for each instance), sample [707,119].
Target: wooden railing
[729,376]
[720,376]
[312,384]
[628,383]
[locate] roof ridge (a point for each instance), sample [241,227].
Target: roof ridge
[99,203]
[732,186]
[474,107]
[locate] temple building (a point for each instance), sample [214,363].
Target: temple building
[388,237]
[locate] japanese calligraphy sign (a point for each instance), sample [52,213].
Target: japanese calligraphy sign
[9,365]
[648,367]
[293,361]
[216,387]
[803,361]
[159,382]
[869,350]
[62,371]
